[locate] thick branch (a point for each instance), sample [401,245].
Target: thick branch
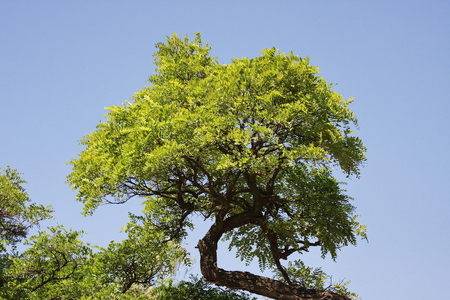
[244,280]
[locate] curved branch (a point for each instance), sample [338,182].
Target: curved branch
[244,280]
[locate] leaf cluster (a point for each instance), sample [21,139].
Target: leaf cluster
[57,264]
[145,257]
[196,288]
[17,213]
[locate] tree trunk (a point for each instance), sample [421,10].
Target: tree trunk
[247,281]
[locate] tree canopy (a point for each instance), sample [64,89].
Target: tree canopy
[17,216]
[252,145]
[56,264]
[17,213]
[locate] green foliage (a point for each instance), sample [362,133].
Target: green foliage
[253,143]
[147,255]
[312,278]
[58,265]
[195,289]
[17,213]
[48,268]
[341,289]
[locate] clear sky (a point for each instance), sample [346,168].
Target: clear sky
[63,62]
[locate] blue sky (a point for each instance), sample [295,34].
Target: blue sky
[63,62]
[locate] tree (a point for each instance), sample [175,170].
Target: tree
[17,213]
[54,265]
[17,216]
[251,145]
[145,257]
[58,265]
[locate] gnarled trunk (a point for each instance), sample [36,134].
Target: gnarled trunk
[247,281]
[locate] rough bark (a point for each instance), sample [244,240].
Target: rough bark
[247,281]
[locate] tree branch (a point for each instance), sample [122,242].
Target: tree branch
[244,280]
